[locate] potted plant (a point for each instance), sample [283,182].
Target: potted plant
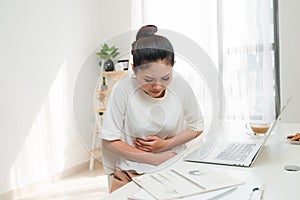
[108,54]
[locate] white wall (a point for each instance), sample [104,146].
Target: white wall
[115,24]
[289,57]
[43,44]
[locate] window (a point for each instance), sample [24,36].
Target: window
[239,38]
[247,58]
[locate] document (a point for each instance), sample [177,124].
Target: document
[249,190]
[177,183]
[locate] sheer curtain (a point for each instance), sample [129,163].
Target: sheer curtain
[247,58]
[238,37]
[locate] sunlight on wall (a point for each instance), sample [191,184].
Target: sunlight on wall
[42,153]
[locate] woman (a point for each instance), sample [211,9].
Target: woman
[151,115]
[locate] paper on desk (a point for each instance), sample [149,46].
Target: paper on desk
[244,191]
[144,195]
[182,182]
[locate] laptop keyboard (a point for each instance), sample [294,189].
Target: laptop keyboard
[236,151]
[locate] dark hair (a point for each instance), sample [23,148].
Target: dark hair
[149,47]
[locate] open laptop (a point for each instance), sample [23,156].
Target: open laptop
[234,153]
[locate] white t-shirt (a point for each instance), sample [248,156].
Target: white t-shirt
[132,113]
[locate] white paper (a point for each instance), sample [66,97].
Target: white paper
[244,191]
[181,182]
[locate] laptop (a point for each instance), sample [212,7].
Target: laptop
[240,153]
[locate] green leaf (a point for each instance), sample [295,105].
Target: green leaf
[107,52]
[115,54]
[114,51]
[112,48]
[105,47]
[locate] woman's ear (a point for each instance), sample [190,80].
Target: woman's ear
[132,67]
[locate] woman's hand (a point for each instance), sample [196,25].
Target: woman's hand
[129,152]
[150,143]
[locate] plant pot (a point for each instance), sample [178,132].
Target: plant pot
[109,65]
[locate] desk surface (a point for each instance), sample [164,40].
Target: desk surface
[268,168]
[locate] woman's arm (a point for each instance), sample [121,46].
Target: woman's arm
[137,155]
[157,144]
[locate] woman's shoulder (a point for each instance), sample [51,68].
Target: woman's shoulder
[123,82]
[124,85]
[181,87]
[179,82]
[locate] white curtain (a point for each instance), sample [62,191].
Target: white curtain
[237,35]
[248,58]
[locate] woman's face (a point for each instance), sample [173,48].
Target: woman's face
[154,78]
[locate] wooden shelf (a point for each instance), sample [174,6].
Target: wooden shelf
[95,152]
[100,110]
[111,78]
[114,72]
[104,91]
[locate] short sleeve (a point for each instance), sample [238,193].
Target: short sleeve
[114,116]
[192,112]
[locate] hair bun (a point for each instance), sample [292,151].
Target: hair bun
[146,30]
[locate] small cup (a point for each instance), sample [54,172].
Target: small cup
[258,128]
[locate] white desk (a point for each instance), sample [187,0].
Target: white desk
[268,168]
